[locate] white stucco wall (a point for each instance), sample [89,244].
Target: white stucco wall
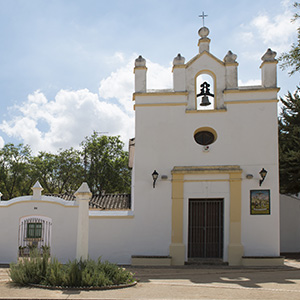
[247,137]
[289,224]
[64,225]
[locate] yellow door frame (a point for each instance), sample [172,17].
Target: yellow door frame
[235,248]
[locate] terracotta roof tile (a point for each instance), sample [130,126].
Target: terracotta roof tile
[104,202]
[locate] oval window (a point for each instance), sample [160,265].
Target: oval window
[205,136]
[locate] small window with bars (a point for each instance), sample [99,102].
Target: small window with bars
[34,230]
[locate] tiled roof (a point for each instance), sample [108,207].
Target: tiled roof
[105,202]
[111,201]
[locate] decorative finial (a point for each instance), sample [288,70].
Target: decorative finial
[178,60]
[269,55]
[230,57]
[140,61]
[203,16]
[37,191]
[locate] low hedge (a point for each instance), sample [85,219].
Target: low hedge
[43,270]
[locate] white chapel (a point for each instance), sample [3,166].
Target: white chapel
[211,143]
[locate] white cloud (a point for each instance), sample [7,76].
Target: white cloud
[120,84]
[277,32]
[251,82]
[70,117]
[47,125]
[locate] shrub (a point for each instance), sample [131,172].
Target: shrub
[55,275]
[30,270]
[50,272]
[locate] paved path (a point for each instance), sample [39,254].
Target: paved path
[183,283]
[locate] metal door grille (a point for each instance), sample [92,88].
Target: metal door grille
[26,242]
[205,236]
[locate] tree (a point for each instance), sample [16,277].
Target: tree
[292,58]
[14,170]
[103,164]
[289,123]
[106,164]
[289,144]
[58,173]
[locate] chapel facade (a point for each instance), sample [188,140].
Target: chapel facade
[214,147]
[204,178]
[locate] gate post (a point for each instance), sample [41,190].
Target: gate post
[83,196]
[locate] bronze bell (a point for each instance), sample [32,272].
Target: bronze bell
[205,92]
[205,101]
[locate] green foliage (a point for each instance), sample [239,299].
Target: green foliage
[58,173]
[30,270]
[289,144]
[14,170]
[88,273]
[56,275]
[292,58]
[106,164]
[102,163]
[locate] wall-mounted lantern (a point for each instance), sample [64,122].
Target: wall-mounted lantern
[263,174]
[154,176]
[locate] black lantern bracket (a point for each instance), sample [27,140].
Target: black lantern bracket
[154,177]
[263,173]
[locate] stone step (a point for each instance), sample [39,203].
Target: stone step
[206,261]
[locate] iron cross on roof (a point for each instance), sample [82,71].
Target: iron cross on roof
[203,16]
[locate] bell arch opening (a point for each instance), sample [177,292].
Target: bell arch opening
[205,91]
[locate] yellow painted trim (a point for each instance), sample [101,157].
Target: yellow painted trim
[203,40]
[206,180]
[251,101]
[233,64]
[151,261]
[33,215]
[111,217]
[39,201]
[268,63]
[159,104]
[204,53]
[214,77]
[139,68]
[189,111]
[235,248]
[159,93]
[177,208]
[262,261]
[178,67]
[251,90]
[207,169]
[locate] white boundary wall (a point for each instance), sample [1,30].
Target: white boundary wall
[289,224]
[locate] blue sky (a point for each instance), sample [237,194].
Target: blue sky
[66,66]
